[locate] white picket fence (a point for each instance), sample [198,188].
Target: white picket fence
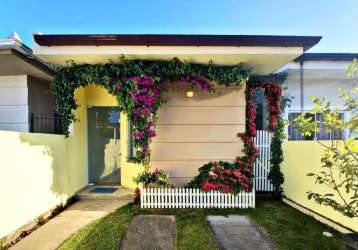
[262,166]
[194,198]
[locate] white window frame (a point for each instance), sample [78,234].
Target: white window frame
[346,117]
[131,151]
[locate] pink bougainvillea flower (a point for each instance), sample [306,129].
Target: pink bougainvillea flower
[117,87]
[134,95]
[136,79]
[138,135]
[145,147]
[151,133]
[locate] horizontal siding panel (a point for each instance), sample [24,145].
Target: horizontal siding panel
[13,114]
[195,151]
[180,168]
[224,97]
[179,181]
[19,127]
[13,96]
[13,81]
[198,133]
[194,131]
[202,115]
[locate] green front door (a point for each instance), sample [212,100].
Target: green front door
[103,145]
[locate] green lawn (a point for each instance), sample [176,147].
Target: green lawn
[289,228]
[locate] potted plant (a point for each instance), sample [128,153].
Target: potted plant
[157,178]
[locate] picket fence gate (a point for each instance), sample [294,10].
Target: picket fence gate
[262,165]
[194,198]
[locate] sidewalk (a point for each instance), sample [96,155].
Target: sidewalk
[52,234]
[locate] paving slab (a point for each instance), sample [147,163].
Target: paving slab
[52,234]
[237,232]
[150,232]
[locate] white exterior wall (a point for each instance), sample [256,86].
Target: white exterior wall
[14,103]
[320,79]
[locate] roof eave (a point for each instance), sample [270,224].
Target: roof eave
[176,40]
[25,53]
[327,57]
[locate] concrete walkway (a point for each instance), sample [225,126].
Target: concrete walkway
[238,232]
[52,234]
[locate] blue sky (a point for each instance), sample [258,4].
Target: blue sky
[335,20]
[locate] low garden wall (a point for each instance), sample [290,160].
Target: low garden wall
[301,158]
[37,173]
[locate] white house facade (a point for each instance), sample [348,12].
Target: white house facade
[320,75]
[24,86]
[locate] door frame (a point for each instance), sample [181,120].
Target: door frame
[88,145]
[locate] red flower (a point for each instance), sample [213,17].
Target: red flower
[245,187]
[225,188]
[209,186]
[273,93]
[238,174]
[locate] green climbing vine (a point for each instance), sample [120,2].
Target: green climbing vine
[138,86]
[273,86]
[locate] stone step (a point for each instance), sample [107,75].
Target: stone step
[120,194]
[150,232]
[239,232]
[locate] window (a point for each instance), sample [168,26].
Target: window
[131,152]
[295,135]
[262,114]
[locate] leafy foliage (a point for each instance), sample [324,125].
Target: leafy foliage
[223,176]
[274,78]
[138,84]
[272,86]
[228,177]
[275,176]
[273,94]
[340,159]
[156,178]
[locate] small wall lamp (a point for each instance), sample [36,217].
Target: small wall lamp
[189,93]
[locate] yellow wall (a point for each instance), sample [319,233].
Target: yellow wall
[98,96]
[300,158]
[40,171]
[128,169]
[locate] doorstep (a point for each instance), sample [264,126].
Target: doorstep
[120,194]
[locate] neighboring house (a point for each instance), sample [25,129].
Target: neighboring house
[319,75]
[190,131]
[24,89]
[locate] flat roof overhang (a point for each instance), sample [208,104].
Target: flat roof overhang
[17,59]
[327,57]
[265,54]
[13,62]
